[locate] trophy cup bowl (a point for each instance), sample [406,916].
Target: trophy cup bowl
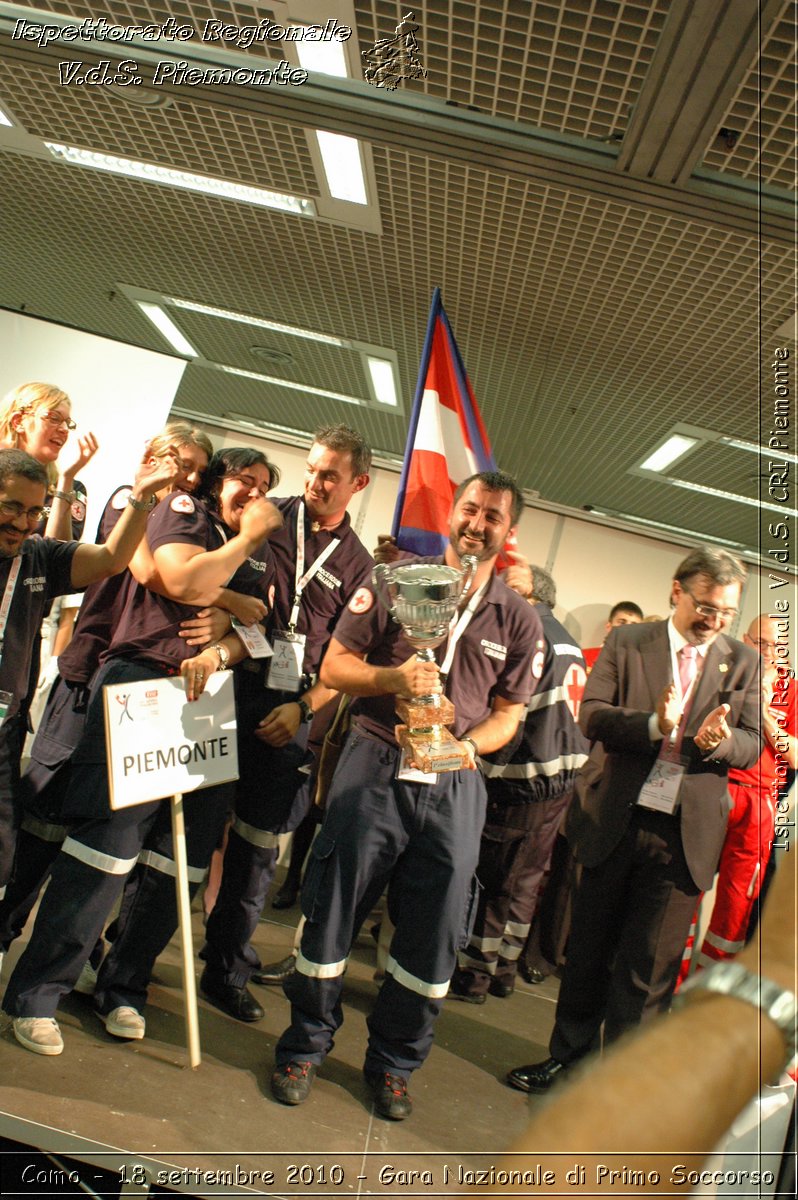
[423,599]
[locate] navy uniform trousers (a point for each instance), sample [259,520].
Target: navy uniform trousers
[424,838]
[515,851]
[91,869]
[269,801]
[42,790]
[148,913]
[11,735]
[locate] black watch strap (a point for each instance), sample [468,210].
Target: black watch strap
[306,710]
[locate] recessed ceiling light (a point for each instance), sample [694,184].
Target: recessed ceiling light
[343,166]
[735,496]
[259,322]
[167,327]
[326,57]
[671,449]
[383,381]
[287,383]
[171,177]
[753,448]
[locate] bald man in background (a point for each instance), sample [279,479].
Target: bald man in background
[755,795]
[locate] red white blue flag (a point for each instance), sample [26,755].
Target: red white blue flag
[446,442]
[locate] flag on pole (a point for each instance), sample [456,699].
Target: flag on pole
[446,442]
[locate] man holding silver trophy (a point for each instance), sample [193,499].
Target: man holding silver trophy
[387,819]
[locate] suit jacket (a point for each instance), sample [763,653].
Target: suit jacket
[621,693]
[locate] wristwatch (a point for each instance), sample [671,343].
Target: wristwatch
[142,505]
[306,710]
[224,655]
[774,1001]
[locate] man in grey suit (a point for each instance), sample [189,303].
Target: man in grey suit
[669,707]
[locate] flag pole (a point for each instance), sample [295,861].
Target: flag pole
[415,412]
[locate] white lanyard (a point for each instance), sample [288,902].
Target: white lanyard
[455,630]
[302,580]
[8,596]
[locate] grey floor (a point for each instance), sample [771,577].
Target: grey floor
[108,1101]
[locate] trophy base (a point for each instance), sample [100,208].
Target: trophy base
[420,714]
[432,752]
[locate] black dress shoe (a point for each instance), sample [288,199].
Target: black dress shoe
[502,990]
[458,990]
[531,974]
[274,973]
[238,1002]
[286,896]
[537,1077]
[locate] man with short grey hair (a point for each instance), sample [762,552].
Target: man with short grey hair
[670,707]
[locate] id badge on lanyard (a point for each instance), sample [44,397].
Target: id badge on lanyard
[661,790]
[287,661]
[252,638]
[287,665]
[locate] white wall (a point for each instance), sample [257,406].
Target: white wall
[125,394]
[121,393]
[593,565]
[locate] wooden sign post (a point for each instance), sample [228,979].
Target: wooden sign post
[161,746]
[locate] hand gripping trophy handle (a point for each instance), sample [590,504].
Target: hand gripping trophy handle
[423,598]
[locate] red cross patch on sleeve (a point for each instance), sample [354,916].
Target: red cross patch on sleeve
[183,503]
[362,601]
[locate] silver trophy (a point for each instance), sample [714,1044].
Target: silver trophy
[423,598]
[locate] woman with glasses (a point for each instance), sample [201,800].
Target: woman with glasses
[196,549]
[45,779]
[37,418]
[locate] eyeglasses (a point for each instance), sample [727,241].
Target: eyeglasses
[250,482]
[55,419]
[706,610]
[15,510]
[761,644]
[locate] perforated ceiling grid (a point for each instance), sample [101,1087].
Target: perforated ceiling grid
[575,68]
[762,113]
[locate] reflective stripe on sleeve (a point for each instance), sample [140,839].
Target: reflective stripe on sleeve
[566,762]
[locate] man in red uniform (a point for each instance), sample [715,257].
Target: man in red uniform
[754,793]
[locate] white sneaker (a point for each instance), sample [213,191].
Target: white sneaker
[39,1034]
[87,980]
[124,1022]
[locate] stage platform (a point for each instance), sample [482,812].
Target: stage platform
[135,1108]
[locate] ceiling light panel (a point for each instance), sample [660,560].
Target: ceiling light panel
[672,449]
[165,325]
[343,167]
[171,177]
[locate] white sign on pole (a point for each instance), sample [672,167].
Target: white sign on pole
[160,744]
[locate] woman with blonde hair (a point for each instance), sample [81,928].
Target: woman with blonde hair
[46,776]
[37,418]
